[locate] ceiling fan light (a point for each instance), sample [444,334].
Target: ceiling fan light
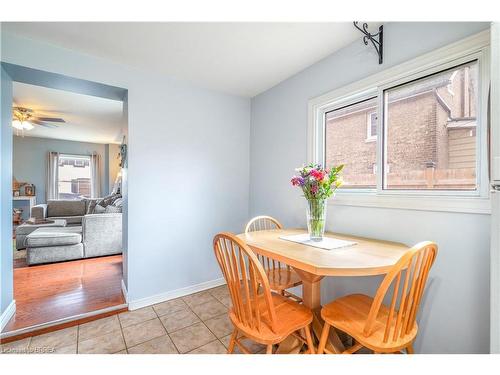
[27,125]
[17,124]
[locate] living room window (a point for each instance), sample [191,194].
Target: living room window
[74,176]
[412,136]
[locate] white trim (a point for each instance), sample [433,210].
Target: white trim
[7,314]
[412,202]
[474,47]
[369,136]
[162,297]
[495,175]
[124,291]
[37,327]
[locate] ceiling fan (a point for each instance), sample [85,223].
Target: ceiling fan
[25,119]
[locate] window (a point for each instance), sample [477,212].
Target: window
[412,136]
[430,127]
[346,144]
[74,177]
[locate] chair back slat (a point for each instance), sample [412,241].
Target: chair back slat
[407,279]
[259,223]
[247,282]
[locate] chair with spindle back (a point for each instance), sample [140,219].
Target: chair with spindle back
[281,276]
[257,313]
[381,328]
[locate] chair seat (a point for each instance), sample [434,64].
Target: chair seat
[290,317]
[350,313]
[282,278]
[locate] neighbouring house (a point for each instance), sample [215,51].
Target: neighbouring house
[431,140]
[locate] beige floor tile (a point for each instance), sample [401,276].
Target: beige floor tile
[71,349]
[214,347]
[124,351]
[105,344]
[192,337]
[130,318]
[54,340]
[170,307]
[16,347]
[219,291]
[159,345]
[252,346]
[142,332]
[221,325]
[198,298]
[180,319]
[98,327]
[225,300]
[209,309]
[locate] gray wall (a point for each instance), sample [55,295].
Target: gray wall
[6,287]
[188,171]
[30,160]
[457,302]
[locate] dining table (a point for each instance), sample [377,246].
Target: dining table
[366,257]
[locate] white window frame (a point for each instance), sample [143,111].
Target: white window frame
[475,47]
[369,136]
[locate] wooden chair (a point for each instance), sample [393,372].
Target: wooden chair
[381,328]
[257,313]
[281,276]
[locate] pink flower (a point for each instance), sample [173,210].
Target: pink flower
[318,175]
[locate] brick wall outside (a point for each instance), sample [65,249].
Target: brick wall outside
[417,139]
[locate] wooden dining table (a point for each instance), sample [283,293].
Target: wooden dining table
[368,257]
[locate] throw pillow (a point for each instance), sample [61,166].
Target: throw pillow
[106,201]
[118,202]
[113,209]
[99,209]
[90,204]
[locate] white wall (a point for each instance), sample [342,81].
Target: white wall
[188,171]
[455,311]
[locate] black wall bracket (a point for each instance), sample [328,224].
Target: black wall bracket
[376,39]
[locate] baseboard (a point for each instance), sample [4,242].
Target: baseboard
[124,291]
[158,298]
[7,314]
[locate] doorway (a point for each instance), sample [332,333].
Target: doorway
[56,283]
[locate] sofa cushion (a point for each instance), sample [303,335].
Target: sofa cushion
[37,255]
[99,209]
[111,209]
[61,208]
[28,228]
[47,237]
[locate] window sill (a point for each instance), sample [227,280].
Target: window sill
[475,205]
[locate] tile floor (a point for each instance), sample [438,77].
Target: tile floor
[194,324]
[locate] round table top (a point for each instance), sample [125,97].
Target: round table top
[367,257]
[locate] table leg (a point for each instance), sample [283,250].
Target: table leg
[311,297]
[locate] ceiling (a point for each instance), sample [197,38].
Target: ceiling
[237,58]
[88,118]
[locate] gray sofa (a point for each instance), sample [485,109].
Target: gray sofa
[99,234]
[82,236]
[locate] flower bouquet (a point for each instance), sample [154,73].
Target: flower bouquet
[318,184]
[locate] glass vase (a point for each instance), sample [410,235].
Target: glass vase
[316,218]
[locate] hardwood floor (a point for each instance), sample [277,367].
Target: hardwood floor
[56,291]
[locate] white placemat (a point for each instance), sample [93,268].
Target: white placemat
[327,243]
